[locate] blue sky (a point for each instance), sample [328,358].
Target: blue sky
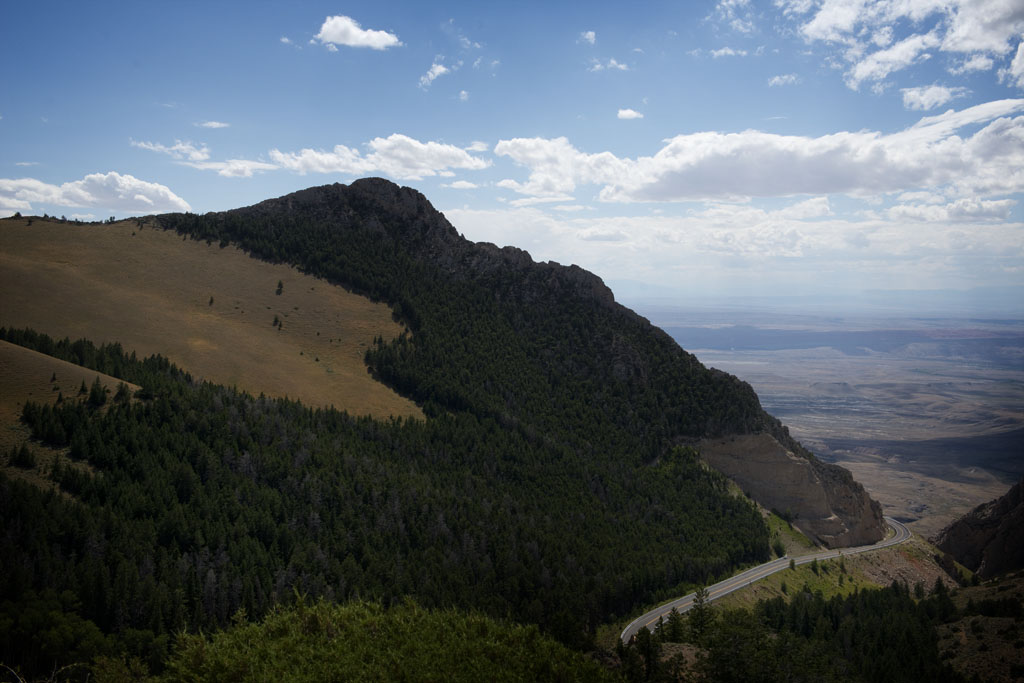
[734,148]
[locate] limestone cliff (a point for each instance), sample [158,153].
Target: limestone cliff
[990,538]
[825,501]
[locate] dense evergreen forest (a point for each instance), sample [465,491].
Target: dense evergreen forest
[885,635]
[201,501]
[551,483]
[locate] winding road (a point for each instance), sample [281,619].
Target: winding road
[745,578]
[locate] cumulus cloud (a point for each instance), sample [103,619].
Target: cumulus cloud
[436,69]
[588,37]
[1014,74]
[736,13]
[973,63]
[879,65]
[462,185]
[109,191]
[233,168]
[728,249]
[629,114]
[979,28]
[397,156]
[783,79]
[213,124]
[610,65]
[463,96]
[968,208]
[199,157]
[342,30]
[179,150]
[286,40]
[928,97]
[712,165]
[478,146]
[728,52]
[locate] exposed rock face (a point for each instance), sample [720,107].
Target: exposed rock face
[824,499]
[990,538]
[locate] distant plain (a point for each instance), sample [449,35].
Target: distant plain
[928,413]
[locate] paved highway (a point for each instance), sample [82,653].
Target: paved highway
[900,534]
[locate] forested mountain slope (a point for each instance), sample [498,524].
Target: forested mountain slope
[551,482]
[538,346]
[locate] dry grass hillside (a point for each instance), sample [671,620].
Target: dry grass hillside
[210,310]
[27,375]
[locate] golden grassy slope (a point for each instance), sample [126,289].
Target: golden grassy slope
[208,309]
[27,375]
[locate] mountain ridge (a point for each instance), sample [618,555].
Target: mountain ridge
[405,220]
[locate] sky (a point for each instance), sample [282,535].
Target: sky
[738,148]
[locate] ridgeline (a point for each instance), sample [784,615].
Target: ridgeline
[552,483]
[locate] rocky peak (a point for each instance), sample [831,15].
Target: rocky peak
[407,216]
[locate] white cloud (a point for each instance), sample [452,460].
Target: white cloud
[611,65]
[1014,74]
[879,65]
[26,163]
[462,185]
[982,28]
[478,146]
[213,124]
[556,166]
[712,165]
[436,69]
[629,114]
[397,156]
[730,249]
[928,97]
[973,63]
[463,96]
[83,217]
[967,208]
[233,168]
[286,40]
[109,191]
[179,150]
[342,30]
[783,79]
[736,14]
[728,52]
[588,37]
[921,197]
[198,157]
[599,235]
[533,201]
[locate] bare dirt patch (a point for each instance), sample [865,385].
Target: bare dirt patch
[210,310]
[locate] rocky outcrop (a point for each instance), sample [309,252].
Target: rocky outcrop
[824,500]
[989,539]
